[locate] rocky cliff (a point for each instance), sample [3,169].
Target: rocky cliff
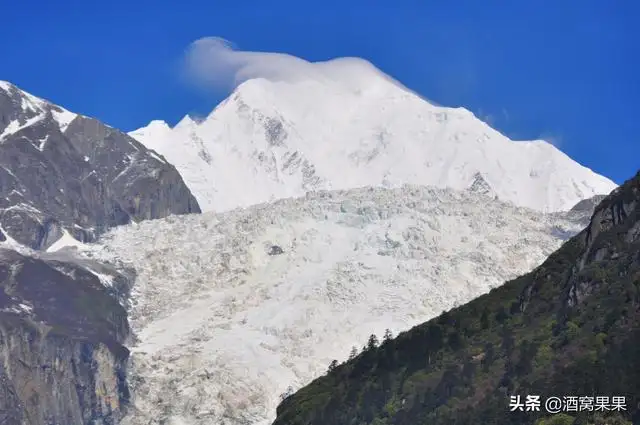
[62,321]
[60,171]
[62,358]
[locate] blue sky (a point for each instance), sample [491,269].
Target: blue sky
[563,70]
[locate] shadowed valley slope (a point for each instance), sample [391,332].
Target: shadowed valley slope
[570,327]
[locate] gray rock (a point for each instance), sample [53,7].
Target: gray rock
[61,338]
[480,185]
[85,177]
[580,214]
[588,205]
[62,328]
[275,250]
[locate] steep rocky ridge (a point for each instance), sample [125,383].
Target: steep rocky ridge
[62,358]
[65,179]
[62,172]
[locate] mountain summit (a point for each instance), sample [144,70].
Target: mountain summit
[349,125]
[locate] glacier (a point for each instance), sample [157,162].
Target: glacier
[225,323]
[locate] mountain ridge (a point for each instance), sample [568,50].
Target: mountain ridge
[64,173]
[275,139]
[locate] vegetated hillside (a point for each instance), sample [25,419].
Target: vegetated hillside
[570,327]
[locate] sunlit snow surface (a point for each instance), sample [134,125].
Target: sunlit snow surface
[343,124]
[224,328]
[65,241]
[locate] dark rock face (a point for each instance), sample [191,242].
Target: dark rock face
[81,176]
[588,205]
[62,324]
[275,250]
[61,341]
[581,212]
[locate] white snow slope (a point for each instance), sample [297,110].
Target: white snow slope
[347,125]
[224,328]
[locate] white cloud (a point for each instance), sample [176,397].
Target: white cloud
[505,114]
[553,138]
[213,62]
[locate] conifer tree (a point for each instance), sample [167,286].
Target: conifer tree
[387,336]
[354,353]
[333,366]
[373,342]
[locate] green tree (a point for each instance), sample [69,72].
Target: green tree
[528,352]
[354,353]
[373,342]
[484,319]
[573,330]
[333,365]
[387,336]
[501,315]
[508,341]
[455,341]
[489,356]
[543,357]
[601,341]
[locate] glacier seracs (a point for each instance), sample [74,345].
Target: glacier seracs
[224,327]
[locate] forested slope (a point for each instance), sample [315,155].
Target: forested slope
[571,327]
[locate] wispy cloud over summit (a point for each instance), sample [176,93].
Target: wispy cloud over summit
[215,63]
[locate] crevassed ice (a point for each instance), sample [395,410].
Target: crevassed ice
[224,328]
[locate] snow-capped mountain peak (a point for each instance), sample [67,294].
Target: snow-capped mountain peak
[342,124]
[25,109]
[159,124]
[64,173]
[186,122]
[155,129]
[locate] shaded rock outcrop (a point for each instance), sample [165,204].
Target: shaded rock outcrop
[62,358]
[60,171]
